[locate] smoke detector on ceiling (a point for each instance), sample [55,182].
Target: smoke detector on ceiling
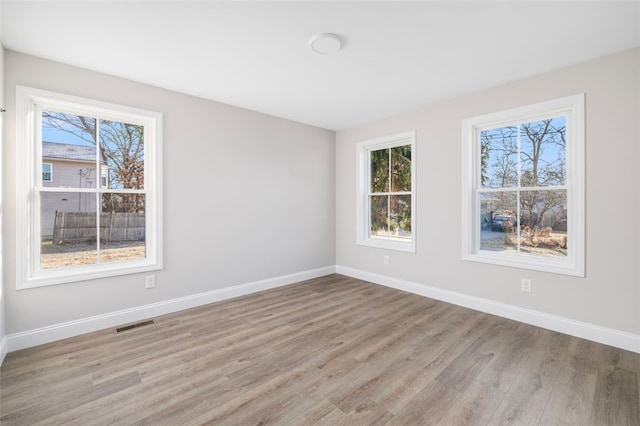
[325,43]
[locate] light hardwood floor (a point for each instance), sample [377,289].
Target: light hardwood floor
[333,350]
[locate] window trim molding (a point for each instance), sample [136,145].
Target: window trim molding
[363,182]
[574,264]
[28,102]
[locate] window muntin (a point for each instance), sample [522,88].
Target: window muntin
[524,187]
[100,217]
[386,200]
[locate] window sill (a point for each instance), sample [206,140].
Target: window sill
[395,245]
[89,272]
[530,262]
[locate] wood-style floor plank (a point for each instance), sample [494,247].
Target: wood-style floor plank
[616,389]
[329,351]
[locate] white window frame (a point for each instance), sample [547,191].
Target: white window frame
[29,104]
[573,107]
[363,170]
[50,171]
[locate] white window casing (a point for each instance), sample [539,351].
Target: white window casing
[572,108]
[29,105]
[363,182]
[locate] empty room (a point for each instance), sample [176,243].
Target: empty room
[300,213]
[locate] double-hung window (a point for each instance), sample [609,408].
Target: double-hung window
[99,215]
[386,192]
[523,187]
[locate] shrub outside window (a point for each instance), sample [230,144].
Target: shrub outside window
[523,189]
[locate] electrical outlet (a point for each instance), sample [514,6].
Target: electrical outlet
[150,281]
[525,285]
[385,259]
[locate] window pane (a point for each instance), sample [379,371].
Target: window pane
[544,222]
[68,144]
[122,155]
[67,229]
[400,222]
[379,216]
[401,169]
[47,171]
[122,227]
[499,157]
[543,152]
[498,220]
[380,170]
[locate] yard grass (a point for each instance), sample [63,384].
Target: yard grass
[543,246]
[54,256]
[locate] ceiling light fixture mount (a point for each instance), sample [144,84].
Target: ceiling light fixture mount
[325,43]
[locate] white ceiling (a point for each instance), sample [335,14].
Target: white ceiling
[396,55]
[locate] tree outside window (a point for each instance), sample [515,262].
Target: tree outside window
[523,170]
[390,197]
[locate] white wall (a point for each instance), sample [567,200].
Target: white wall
[609,296]
[246,197]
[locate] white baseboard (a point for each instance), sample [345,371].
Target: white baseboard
[27,339]
[607,336]
[3,349]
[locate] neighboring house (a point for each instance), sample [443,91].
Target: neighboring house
[68,166]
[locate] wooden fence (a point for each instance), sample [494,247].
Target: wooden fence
[81,226]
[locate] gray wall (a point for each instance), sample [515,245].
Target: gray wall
[609,296]
[2,208]
[246,197]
